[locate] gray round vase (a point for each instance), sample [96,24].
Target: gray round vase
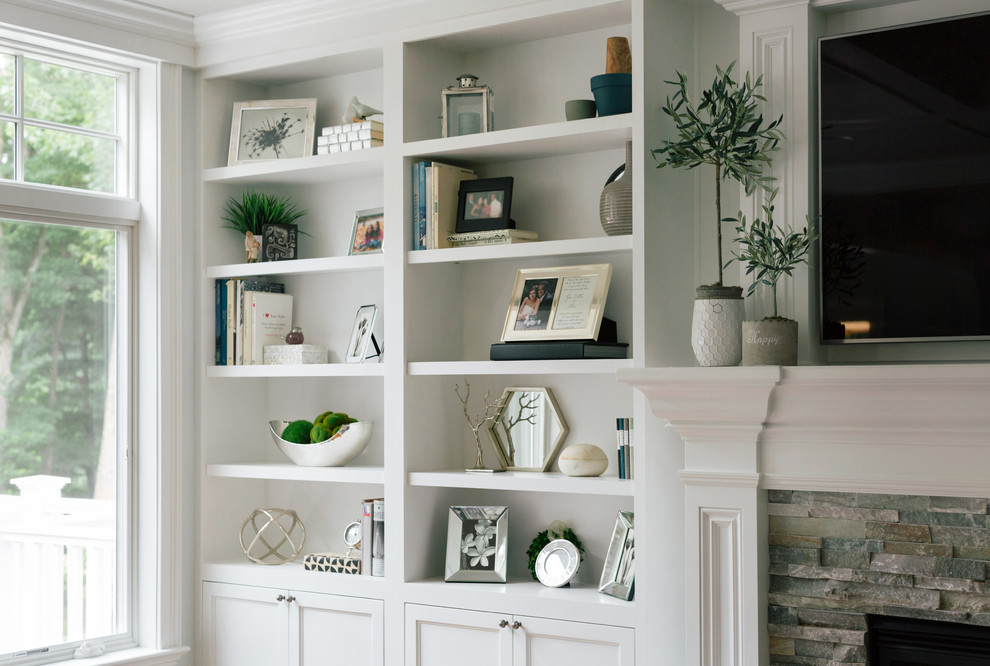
[716,327]
[770,342]
[615,203]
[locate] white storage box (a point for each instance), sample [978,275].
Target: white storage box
[295,354]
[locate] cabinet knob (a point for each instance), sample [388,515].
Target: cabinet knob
[516,624]
[290,599]
[503,624]
[280,597]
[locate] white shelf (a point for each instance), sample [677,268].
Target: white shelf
[579,603]
[588,366]
[293,576]
[552,482]
[556,248]
[291,472]
[355,264]
[310,170]
[525,143]
[305,370]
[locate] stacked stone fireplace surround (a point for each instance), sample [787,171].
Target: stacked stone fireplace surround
[836,557]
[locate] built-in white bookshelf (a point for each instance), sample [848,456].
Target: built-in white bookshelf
[442,309]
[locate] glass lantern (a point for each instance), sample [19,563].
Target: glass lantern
[467,107]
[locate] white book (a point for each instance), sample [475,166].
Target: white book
[270,321]
[378,541]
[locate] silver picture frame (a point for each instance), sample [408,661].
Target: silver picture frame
[361,334]
[477,544]
[619,572]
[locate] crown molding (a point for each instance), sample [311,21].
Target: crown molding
[739,7]
[133,27]
[258,19]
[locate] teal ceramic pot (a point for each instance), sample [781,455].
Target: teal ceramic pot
[613,93]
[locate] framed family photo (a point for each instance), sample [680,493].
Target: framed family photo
[557,303]
[477,544]
[271,130]
[361,334]
[368,232]
[484,204]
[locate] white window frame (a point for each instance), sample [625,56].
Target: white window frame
[158,582]
[124,158]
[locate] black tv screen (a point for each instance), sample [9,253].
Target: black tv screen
[905,183]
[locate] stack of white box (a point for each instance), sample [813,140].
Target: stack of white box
[350,136]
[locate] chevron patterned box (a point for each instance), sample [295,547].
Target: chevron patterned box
[332,563]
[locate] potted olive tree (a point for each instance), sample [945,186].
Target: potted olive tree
[256,215]
[770,252]
[726,131]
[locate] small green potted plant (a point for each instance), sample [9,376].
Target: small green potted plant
[728,132]
[256,212]
[770,252]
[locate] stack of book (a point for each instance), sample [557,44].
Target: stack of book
[373,537]
[624,447]
[249,315]
[350,136]
[434,202]
[491,237]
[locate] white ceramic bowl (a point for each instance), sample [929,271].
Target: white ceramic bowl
[349,441]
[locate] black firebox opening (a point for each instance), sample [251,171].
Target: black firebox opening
[897,641]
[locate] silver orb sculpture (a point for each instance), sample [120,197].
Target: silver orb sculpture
[269,536]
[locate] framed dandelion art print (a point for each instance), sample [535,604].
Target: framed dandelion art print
[271,130]
[477,544]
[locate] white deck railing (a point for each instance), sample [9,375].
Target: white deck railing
[57,567]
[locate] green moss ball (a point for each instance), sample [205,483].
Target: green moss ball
[297,432]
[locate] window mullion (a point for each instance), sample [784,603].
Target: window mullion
[19,120]
[72,129]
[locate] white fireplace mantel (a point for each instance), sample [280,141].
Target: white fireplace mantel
[917,429]
[904,429]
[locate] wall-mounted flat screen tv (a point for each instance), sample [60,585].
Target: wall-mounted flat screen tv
[905,183]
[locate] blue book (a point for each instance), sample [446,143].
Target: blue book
[620,458]
[220,296]
[414,213]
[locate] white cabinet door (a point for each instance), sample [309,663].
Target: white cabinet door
[327,630]
[244,625]
[449,637]
[541,642]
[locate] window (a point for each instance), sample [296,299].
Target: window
[61,123]
[66,500]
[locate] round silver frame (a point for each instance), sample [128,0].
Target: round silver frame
[553,575]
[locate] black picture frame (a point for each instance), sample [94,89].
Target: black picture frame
[472,193]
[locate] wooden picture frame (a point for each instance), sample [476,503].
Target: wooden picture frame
[484,204]
[557,303]
[368,232]
[271,130]
[477,544]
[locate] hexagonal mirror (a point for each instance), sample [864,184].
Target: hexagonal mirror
[528,429]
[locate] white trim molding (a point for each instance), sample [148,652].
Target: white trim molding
[721,587]
[130,27]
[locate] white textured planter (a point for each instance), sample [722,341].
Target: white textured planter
[716,327]
[770,342]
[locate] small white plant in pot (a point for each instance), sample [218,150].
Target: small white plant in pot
[770,252]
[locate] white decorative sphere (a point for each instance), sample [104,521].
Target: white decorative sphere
[582,460]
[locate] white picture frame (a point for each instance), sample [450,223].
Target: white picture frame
[361,334]
[275,129]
